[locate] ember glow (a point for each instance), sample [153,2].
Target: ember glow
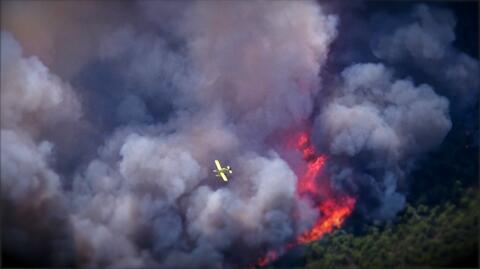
[333,208]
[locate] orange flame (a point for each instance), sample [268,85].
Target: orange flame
[333,210]
[333,214]
[307,184]
[273,254]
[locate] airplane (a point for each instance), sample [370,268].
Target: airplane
[222,171]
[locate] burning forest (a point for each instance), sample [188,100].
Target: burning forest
[311,114]
[333,208]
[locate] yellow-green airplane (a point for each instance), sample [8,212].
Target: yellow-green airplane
[222,171]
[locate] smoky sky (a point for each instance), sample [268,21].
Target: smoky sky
[113,112]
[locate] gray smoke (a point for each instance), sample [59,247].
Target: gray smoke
[380,123]
[381,117]
[108,143]
[32,100]
[424,39]
[233,87]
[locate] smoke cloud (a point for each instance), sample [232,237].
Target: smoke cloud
[32,100]
[380,122]
[112,116]
[424,39]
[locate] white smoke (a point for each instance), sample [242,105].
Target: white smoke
[30,94]
[262,71]
[372,112]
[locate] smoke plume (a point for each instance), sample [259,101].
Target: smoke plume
[113,113]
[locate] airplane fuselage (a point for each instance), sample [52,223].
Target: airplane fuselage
[222,171]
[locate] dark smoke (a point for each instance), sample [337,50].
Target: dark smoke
[389,107]
[375,125]
[112,115]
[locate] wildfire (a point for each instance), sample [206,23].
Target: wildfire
[273,254]
[268,258]
[333,214]
[333,208]
[307,184]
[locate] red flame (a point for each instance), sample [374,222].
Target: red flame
[307,184]
[273,254]
[333,214]
[268,258]
[333,208]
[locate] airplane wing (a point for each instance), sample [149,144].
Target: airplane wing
[224,177]
[217,163]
